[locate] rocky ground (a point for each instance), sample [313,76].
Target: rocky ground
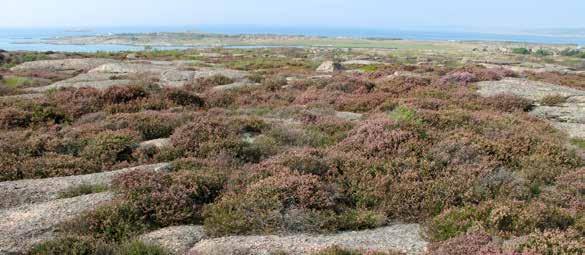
[32,209]
[401,237]
[24,226]
[569,115]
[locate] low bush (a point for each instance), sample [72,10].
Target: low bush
[554,242]
[553,100]
[54,165]
[184,98]
[453,223]
[207,136]
[91,246]
[123,94]
[458,78]
[509,103]
[82,189]
[72,246]
[473,243]
[110,147]
[77,102]
[284,202]
[117,221]
[150,124]
[11,118]
[162,199]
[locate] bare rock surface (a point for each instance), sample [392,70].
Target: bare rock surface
[236,85]
[536,68]
[22,227]
[532,90]
[178,240]
[400,237]
[16,193]
[87,80]
[329,67]
[568,117]
[131,68]
[349,115]
[82,64]
[177,77]
[157,143]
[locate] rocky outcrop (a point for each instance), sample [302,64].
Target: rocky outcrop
[177,77]
[16,193]
[177,240]
[536,68]
[23,227]
[400,237]
[88,80]
[568,117]
[131,68]
[329,67]
[84,64]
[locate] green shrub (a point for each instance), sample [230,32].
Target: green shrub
[114,222]
[11,118]
[54,165]
[452,223]
[91,246]
[284,202]
[83,189]
[110,147]
[523,51]
[184,98]
[207,136]
[163,199]
[553,100]
[554,242]
[150,124]
[140,248]
[580,143]
[123,94]
[73,246]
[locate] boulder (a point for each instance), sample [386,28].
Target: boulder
[329,67]
[157,143]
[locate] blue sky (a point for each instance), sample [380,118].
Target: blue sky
[379,14]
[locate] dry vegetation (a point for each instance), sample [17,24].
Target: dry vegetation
[276,159]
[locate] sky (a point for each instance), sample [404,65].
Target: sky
[379,14]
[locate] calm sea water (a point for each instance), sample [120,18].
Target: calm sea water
[27,39]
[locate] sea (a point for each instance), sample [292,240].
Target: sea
[29,39]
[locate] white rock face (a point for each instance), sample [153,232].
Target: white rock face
[400,237]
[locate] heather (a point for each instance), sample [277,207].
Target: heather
[354,151]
